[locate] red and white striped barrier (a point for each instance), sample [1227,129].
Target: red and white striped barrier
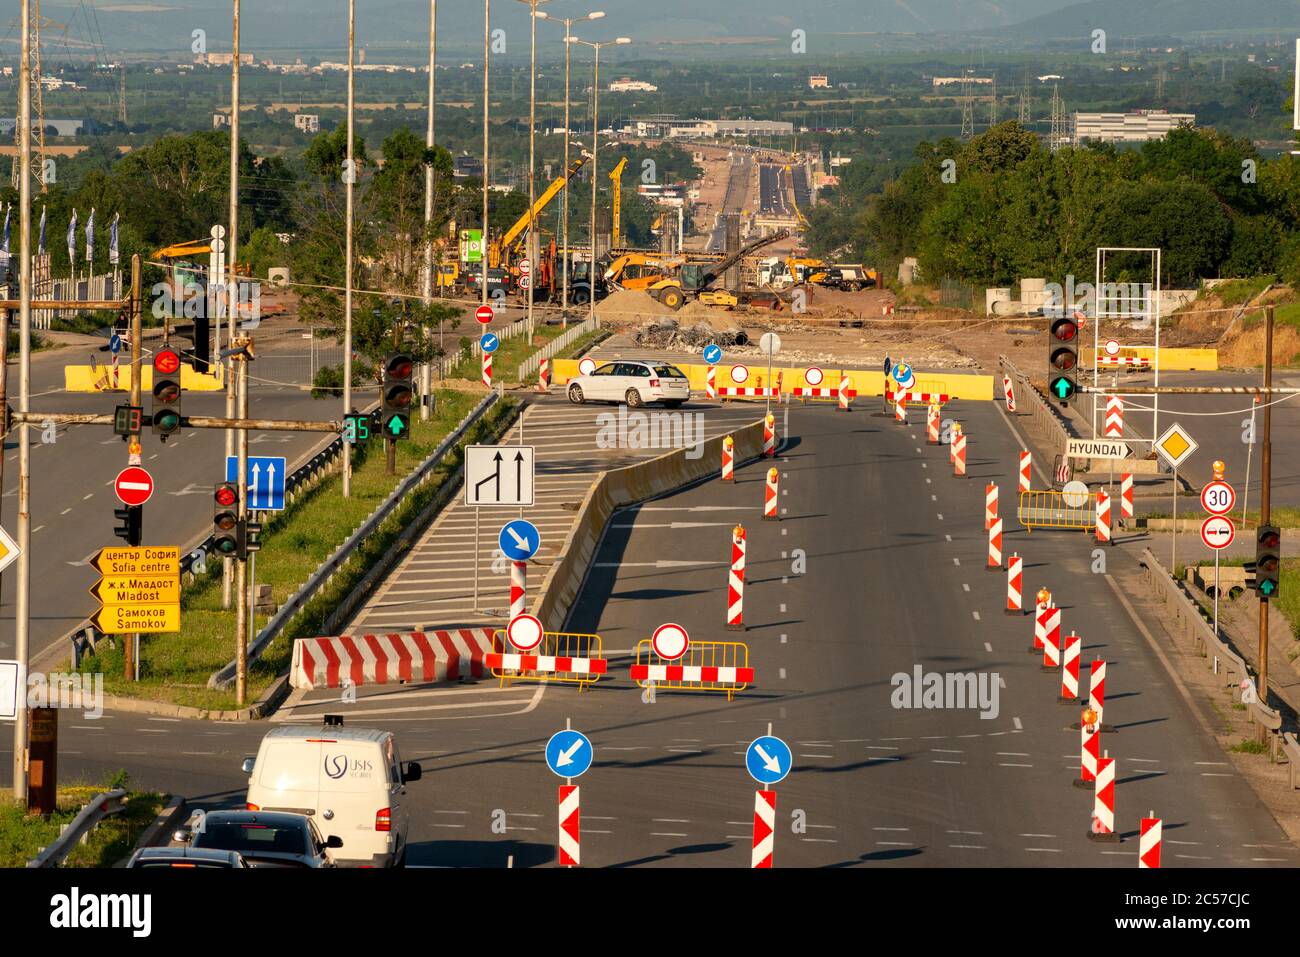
[1009,392]
[932,424]
[764,829]
[555,664]
[959,455]
[711,383]
[518,589]
[995,546]
[750,392]
[1097,689]
[728,459]
[544,375]
[736,581]
[1103,801]
[1070,669]
[1026,471]
[1040,626]
[1051,638]
[1149,840]
[697,673]
[1114,417]
[769,436]
[990,503]
[771,490]
[887,310]
[1015,585]
[1123,361]
[570,826]
[487,369]
[808,392]
[1103,518]
[846,392]
[952,443]
[1126,495]
[900,408]
[380,659]
[1089,753]
[924,398]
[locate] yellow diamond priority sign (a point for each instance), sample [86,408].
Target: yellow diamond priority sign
[8,550]
[1176,446]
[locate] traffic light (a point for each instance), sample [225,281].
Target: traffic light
[166,392]
[398,390]
[1063,359]
[225,519]
[1268,561]
[131,523]
[248,532]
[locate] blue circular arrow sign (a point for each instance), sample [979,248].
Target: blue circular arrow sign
[768,760]
[115,344]
[488,342]
[713,353]
[903,375]
[569,754]
[888,365]
[519,540]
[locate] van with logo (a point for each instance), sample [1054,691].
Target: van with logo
[350,781]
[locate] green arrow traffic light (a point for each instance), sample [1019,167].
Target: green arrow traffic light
[1062,387]
[1266,586]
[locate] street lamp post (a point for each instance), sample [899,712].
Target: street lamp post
[350,179]
[595,158]
[425,383]
[487,39]
[531,247]
[564,206]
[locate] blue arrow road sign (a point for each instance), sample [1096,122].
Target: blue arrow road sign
[266,478]
[888,365]
[768,760]
[519,540]
[713,353]
[115,344]
[569,753]
[903,375]
[488,342]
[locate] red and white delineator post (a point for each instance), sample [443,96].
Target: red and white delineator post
[1042,601]
[1070,669]
[518,589]
[1089,749]
[1102,523]
[544,375]
[990,504]
[1009,391]
[1114,417]
[1026,469]
[771,490]
[1051,638]
[932,424]
[845,396]
[711,383]
[764,829]
[1149,841]
[959,454]
[769,436]
[736,581]
[995,546]
[900,408]
[1015,584]
[1126,495]
[570,826]
[728,459]
[1097,691]
[487,369]
[1103,802]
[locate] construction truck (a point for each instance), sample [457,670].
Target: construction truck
[677,279]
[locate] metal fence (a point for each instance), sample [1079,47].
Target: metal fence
[103,286]
[442,367]
[957,295]
[557,345]
[78,829]
[1031,402]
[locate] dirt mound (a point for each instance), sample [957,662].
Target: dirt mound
[632,305]
[1246,349]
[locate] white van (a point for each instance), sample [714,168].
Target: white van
[349,781]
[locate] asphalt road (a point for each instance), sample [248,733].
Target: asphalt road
[895,551]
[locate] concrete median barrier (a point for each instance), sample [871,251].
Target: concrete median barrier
[615,489]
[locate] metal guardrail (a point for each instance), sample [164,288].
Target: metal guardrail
[556,345]
[1291,747]
[1188,617]
[224,677]
[447,363]
[79,828]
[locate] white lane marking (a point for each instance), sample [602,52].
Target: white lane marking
[940,516]
[965,587]
[987,646]
[976,614]
[1016,723]
[956,561]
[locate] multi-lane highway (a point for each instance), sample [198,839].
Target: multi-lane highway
[875,569]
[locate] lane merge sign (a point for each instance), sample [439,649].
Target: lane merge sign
[1217,532]
[768,760]
[134,486]
[500,474]
[569,754]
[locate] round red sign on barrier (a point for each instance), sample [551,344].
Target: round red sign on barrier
[525,632]
[670,641]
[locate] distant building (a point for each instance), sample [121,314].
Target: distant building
[219,120]
[307,122]
[1139,126]
[957,80]
[1050,76]
[626,85]
[52,127]
[819,81]
[225,59]
[670,127]
[467,167]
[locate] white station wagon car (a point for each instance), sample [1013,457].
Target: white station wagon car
[635,382]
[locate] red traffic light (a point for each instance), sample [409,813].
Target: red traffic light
[226,496]
[166,361]
[1269,538]
[1065,330]
[399,367]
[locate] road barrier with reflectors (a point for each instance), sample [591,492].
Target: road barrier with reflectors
[741,392]
[1026,471]
[1047,509]
[1149,842]
[719,666]
[569,657]
[1171,360]
[820,392]
[925,398]
[1070,669]
[764,841]
[1103,802]
[380,659]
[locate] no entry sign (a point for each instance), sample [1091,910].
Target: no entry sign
[133,486]
[484,314]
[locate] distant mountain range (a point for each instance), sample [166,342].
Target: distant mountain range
[1125,18]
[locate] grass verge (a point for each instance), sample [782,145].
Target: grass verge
[506,360]
[175,667]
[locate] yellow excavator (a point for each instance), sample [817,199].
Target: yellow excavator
[616,189]
[191,250]
[672,281]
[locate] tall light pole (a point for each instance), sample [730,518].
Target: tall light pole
[564,206]
[487,38]
[350,177]
[232,237]
[595,157]
[425,384]
[532,247]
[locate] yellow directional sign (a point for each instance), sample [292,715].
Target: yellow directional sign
[128,619]
[8,550]
[141,560]
[137,589]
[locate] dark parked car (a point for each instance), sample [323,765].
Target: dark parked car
[186,858]
[264,838]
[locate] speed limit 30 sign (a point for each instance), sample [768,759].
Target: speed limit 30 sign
[1218,498]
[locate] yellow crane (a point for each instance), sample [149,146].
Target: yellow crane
[616,179]
[499,246]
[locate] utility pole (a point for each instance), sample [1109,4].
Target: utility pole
[1265,490]
[487,175]
[241,564]
[232,242]
[425,383]
[350,176]
[130,643]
